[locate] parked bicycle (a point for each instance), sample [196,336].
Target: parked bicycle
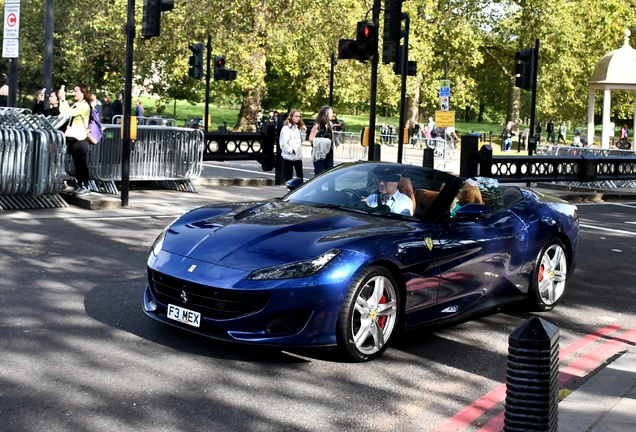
[623,144]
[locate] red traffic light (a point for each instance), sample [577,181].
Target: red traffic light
[220,73]
[366,40]
[367,31]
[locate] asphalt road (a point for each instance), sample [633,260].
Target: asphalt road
[78,354]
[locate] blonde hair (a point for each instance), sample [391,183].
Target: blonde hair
[289,121]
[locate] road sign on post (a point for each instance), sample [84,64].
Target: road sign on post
[11,39]
[444,103]
[445,119]
[444,95]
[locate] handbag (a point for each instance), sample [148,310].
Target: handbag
[76,131]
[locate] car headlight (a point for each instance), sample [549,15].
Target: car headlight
[158,244]
[296,269]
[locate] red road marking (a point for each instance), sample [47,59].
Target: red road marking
[472,412]
[495,424]
[567,351]
[581,366]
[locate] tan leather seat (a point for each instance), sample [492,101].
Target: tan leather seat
[406,187]
[425,197]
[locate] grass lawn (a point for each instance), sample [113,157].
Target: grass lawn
[182,110]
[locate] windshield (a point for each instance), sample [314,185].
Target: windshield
[375,188]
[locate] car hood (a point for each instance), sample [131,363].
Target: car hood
[256,235]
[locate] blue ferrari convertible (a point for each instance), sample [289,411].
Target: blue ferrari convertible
[357,254]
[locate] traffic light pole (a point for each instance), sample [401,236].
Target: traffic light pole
[374,89]
[333,64]
[533,103]
[207,83]
[405,62]
[128,75]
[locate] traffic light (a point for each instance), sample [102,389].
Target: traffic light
[366,40]
[220,73]
[196,61]
[151,21]
[347,49]
[411,68]
[524,68]
[392,29]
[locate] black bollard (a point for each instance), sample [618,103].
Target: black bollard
[429,157]
[532,383]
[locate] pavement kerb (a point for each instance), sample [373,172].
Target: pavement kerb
[579,193]
[97,201]
[209,181]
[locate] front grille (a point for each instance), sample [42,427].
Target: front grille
[212,302]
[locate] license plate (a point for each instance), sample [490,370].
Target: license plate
[183,315]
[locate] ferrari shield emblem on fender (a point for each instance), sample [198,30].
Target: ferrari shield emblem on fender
[192,267]
[429,243]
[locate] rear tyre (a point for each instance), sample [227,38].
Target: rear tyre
[549,277]
[369,315]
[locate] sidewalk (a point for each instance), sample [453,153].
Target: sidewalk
[606,402]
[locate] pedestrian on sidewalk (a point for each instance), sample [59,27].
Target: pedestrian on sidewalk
[506,137]
[549,129]
[428,137]
[624,132]
[77,134]
[322,151]
[139,112]
[38,108]
[291,140]
[53,110]
[118,107]
[562,132]
[417,135]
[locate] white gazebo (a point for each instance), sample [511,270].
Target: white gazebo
[615,71]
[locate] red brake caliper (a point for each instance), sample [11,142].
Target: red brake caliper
[382,319]
[541,273]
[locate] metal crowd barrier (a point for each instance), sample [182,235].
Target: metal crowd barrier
[170,156]
[31,161]
[350,150]
[554,150]
[148,121]
[550,150]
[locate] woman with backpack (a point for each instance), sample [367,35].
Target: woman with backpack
[77,144]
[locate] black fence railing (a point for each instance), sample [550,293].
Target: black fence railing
[232,146]
[584,168]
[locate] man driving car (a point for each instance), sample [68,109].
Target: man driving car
[388,193]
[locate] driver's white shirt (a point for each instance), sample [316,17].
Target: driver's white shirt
[398,203]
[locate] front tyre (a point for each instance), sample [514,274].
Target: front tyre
[549,276]
[369,315]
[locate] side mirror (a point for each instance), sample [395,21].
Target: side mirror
[473,211]
[293,184]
